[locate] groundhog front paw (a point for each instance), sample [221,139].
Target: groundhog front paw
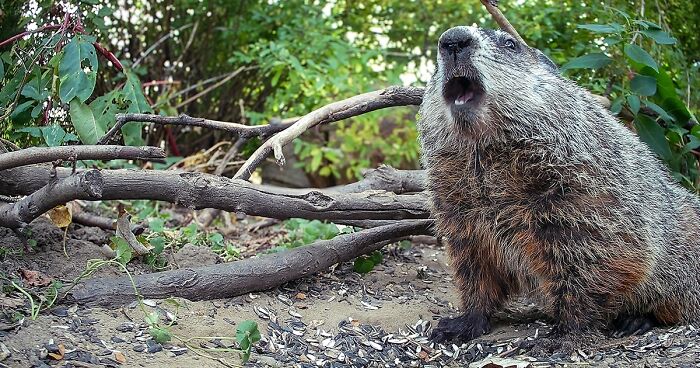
[627,325]
[463,328]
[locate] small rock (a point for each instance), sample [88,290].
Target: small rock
[125,327]
[52,348]
[4,352]
[117,340]
[153,347]
[139,348]
[60,312]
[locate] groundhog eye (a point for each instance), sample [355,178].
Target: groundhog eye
[509,44]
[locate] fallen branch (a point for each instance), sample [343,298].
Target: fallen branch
[86,185]
[36,155]
[89,219]
[386,178]
[243,131]
[198,190]
[238,278]
[208,215]
[353,106]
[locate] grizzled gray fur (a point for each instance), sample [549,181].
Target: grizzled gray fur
[540,191]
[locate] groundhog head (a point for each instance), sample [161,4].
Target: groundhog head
[484,77]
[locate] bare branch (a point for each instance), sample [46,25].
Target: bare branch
[238,278]
[243,131]
[501,20]
[36,155]
[353,106]
[208,215]
[86,185]
[198,190]
[386,178]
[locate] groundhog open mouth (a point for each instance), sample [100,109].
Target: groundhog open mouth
[463,92]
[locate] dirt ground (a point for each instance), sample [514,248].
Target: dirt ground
[335,319]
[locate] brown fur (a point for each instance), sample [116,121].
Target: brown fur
[548,194]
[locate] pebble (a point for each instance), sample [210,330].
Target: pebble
[139,348]
[60,312]
[117,340]
[125,327]
[153,347]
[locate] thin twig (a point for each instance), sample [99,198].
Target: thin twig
[35,155]
[161,40]
[241,130]
[353,106]
[212,87]
[500,19]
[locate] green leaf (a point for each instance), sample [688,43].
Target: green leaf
[659,37]
[363,265]
[616,105]
[106,107]
[78,69]
[2,70]
[638,54]
[160,334]
[633,102]
[36,88]
[653,135]
[643,85]
[137,104]
[122,250]
[647,24]
[591,61]
[659,110]
[676,108]
[156,225]
[158,244]
[54,135]
[84,122]
[376,257]
[602,28]
[693,143]
[247,334]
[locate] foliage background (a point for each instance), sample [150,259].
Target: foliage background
[280,59]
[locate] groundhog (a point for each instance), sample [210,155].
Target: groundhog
[538,189]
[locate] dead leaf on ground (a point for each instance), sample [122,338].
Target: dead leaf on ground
[60,354]
[61,216]
[124,231]
[34,278]
[119,357]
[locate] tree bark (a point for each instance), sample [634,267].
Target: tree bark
[36,155]
[237,278]
[198,190]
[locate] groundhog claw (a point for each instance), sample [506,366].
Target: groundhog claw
[463,328]
[627,325]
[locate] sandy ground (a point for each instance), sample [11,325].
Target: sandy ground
[399,300]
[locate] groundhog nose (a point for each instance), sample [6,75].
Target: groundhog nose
[456,40]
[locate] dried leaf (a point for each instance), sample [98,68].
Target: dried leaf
[60,354]
[124,231]
[61,216]
[119,357]
[300,296]
[34,278]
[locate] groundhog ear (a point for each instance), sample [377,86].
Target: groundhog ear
[546,62]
